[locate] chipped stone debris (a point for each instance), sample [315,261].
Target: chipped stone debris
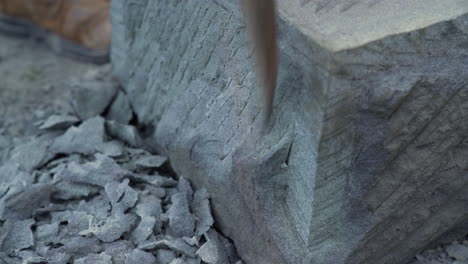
[453,253]
[85,191]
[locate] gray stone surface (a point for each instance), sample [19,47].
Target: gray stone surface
[363,160]
[346,24]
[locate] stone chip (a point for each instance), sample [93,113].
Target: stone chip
[102,258]
[120,110]
[181,221]
[121,196]
[183,185]
[202,211]
[176,244]
[118,250]
[98,172]
[22,203]
[458,251]
[155,180]
[16,235]
[165,256]
[144,229]
[47,232]
[125,133]
[82,139]
[90,98]
[213,252]
[153,161]
[59,258]
[138,256]
[114,227]
[32,155]
[59,122]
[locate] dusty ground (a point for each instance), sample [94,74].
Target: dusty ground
[30,86]
[30,89]
[30,78]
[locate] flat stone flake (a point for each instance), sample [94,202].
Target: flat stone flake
[99,207]
[140,257]
[185,261]
[82,139]
[183,185]
[202,211]
[178,261]
[12,174]
[144,229]
[98,172]
[176,244]
[23,203]
[165,256]
[121,196]
[32,155]
[181,221]
[78,246]
[118,250]
[158,192]
[458,251]
[71,190]
[29,257]
[16,235]
[155,180]
[125,133]
[114,227]
[213,251]
[149,206]
[76,222]
[111,149]
[102,258]
[59,258]
[47,232]
[90,98]
[59,122]
[120,110]
[150,162]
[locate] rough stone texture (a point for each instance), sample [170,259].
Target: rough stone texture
[364,158]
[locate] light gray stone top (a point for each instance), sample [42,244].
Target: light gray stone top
[345,24]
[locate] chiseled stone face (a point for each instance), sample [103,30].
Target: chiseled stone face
[366,137]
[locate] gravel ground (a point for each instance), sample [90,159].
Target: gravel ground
[34,85]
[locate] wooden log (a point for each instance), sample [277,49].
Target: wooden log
[364,160]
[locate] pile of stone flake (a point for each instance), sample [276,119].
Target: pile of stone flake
[454,253]
[86,192]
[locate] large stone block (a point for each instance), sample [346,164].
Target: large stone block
[364,160]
